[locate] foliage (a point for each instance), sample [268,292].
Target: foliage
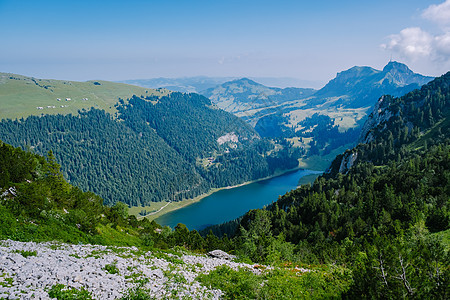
[61,292]
[112,268]
[280,283]
[376,216]
[26,253]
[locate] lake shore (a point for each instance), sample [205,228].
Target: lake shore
[172,206]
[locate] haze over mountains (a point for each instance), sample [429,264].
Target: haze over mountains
[352,92]
[200,83]
[243,95]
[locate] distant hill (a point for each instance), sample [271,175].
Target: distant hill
[245,94]
[22,96]
[198,84]
[182,84]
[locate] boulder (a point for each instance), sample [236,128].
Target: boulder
[221,254]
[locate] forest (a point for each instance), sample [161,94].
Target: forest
[150,150]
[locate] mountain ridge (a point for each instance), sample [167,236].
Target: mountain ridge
[245,94]
[354,83]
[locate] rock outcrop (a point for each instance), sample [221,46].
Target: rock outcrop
[221,255]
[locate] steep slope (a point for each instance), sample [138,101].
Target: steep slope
[244,94]
[420,117]
[22,96]
[70,246]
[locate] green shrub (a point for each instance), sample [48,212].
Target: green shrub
[280,283]
[112,268]
[25,253]
[61,292]
[242,284]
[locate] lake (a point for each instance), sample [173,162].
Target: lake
[229,204]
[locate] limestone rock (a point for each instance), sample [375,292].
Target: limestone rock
[221,254]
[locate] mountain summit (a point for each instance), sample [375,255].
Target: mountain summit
[401,75]
[362,86]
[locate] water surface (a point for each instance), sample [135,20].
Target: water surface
[229,204]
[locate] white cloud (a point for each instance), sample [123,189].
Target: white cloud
[416,44]
[442,45]
[412,43]
[438,13]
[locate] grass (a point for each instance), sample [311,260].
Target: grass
[321,163]
[154,206]
[61,292]
[112,268]
[430,134]
[117,237]
[25,253]
[280,283]
[20,95]
[6,281]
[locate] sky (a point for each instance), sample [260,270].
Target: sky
[309,40]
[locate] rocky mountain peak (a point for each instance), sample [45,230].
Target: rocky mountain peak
[397,67]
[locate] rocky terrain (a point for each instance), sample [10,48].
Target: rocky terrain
[29,270]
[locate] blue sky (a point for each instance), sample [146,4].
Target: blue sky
[311,40]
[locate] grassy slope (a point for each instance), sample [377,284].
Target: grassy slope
[20,95]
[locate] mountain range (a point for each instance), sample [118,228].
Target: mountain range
[362,86]
[322,120]
[103,132]
[242,95]
[198,84]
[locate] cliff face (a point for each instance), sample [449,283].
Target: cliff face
[347,162]
[380,115]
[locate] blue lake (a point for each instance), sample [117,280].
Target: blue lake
[229,204]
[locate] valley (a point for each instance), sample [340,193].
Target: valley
[292,150]
[384,199]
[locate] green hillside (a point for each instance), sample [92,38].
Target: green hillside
[20,96]
[152,148]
